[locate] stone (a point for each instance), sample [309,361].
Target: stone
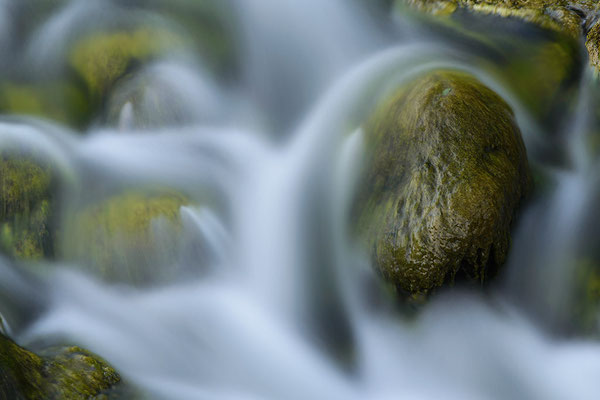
[576,19]
[59,373]
[446,171]
[26,208]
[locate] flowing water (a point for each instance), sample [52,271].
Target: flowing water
[267,296]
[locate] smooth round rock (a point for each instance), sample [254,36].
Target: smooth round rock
[446,171]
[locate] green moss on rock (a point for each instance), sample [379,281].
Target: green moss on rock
[557,15]
[25,208]
[585,298]
[593,45]
[58,101]
[126,237]
[59,373]
[447,169]
[102,58]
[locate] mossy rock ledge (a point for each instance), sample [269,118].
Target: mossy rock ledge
[60,373]
[446,171]
[560,15]
[574,18]
[26,206]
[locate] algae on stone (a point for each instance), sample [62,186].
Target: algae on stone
[446,171]
[574,18]
[60,373]
[126,237]
[63,102]
[558,15]
[100,59]
[25,208]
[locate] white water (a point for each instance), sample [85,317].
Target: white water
[271,299]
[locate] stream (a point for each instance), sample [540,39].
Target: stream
[266,294]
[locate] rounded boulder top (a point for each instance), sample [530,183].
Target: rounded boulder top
[446,171]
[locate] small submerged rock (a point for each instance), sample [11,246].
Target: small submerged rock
[446,171]
[57,373]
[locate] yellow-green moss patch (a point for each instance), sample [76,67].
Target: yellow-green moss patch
[25,207]
[102,58]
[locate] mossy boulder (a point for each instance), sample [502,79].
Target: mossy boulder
[559,15]
[72,83]
[26,207]
[543,76]
[573,18]
[446,171]
[57,373]
[130,237]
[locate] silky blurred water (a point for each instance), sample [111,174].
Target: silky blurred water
[266,295]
